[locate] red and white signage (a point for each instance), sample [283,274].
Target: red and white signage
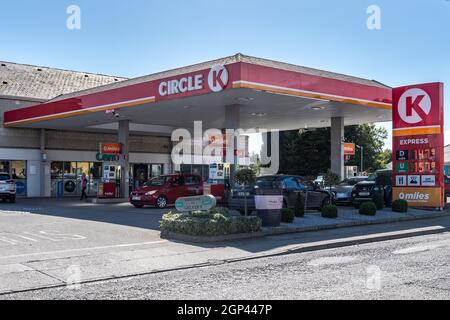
[349,149]
[418,144]
[111,148]
[217,80]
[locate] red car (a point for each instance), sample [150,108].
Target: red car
[164,190]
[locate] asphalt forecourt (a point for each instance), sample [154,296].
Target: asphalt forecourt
[51,243]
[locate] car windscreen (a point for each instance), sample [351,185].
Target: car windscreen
[268,182]
[158,181]
[4,177]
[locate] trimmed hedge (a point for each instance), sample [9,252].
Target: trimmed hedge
[209,223]
[368,208]
[330,211]
[400,205]
[287,215]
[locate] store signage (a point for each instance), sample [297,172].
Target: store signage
[111,148]
[110,157]
[217,81]
[349,149]
[203,203]
[418,144]
[402,167]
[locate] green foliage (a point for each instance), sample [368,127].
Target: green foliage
[400,205]
[300,206]
[211,212]
[368,208]
[330,211]
[378,199]
[372,140]
[330,178]
[309,153]
[305,154]
[245,176]
[287,215]
[208,224]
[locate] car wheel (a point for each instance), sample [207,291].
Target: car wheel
[139,206]
[325,202]
[161,202]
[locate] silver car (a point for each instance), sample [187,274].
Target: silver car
[343,190]
[7,188]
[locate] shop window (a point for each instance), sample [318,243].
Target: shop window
[19,170]
[4,166]
[156,170]
[192,180]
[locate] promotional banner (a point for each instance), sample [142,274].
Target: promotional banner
[418,144]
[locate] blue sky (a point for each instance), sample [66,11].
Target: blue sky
[140,37]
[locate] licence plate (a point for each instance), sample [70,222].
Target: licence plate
[243,194]
[136,198]
[341,195]
[364,193]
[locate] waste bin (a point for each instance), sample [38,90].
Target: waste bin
[268,203]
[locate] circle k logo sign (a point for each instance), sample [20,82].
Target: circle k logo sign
[218,78]
[414,105]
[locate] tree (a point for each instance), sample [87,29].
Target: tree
[330,179]
[245,177]
[371,139]
[305,154]
[308,153]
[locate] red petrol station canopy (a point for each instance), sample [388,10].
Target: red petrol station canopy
[280,91]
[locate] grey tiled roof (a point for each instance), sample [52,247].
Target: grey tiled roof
[27,81]
[228,60]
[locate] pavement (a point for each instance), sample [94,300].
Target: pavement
[55,243]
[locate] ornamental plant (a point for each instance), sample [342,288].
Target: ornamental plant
[245,177]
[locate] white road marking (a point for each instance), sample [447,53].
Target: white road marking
[331,261]
[422,248]
[83,249]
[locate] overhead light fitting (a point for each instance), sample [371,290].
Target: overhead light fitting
[245,99]
[259,114]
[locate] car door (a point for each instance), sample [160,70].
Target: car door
[314,197]
[177,189]
[290,191]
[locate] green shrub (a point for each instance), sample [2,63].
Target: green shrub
[221,210]
[368,208]
[208,224]
[300,206]
[378,199]
[400,205]
[330,211]
[287,215]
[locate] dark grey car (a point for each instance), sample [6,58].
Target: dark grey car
[291,186]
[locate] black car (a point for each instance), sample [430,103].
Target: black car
[366,190]
[291,186]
